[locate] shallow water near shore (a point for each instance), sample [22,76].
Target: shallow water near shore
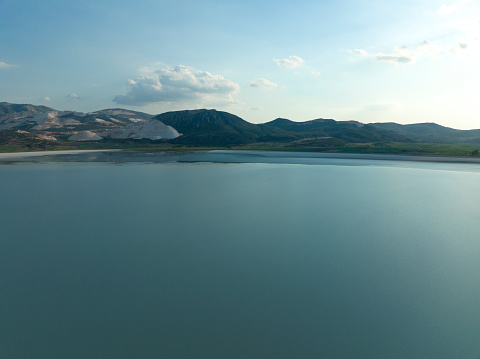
[213,256]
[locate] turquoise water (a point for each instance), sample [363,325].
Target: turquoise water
[344,259]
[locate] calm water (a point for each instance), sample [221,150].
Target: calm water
[341,259]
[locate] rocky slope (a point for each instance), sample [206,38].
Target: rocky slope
[204,127]
[41,118]
[151,129]
[77,126]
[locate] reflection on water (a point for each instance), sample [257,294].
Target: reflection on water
[228,156]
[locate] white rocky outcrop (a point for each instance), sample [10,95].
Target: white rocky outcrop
[45,120]
[151,129]
[85,136]
[45,137]
[114,112]
[52,119]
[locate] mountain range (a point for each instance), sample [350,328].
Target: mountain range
[204,127]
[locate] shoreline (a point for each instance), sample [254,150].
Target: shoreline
[360,156]
[220,156]
[7,155]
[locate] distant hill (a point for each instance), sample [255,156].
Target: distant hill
[350,131]
[41,118]
[218,128]
[203,127]
[210,127]
[10,111]
[430,132]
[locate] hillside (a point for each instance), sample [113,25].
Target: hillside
[430,132]
[41,118]
[31,127]
[10,111]
[211,128]
[349,131]
[23,140]
[217,128]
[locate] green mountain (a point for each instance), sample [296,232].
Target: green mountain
[204,127]
[430,132]
[349,131]
[216,128]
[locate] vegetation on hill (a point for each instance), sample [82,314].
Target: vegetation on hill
[431,132]
[350,131]
[15,140]
[209,129]
[217,128]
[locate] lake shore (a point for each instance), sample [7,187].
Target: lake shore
[219,156]
[13,155]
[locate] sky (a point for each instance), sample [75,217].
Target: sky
[400,61]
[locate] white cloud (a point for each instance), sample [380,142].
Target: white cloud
[291,63]
[447,9]
[74,96]
[46,98]
[399,55]
[458,48]
[316,73]
[263,84]
[360,52]
[257,108]
[403,55]
[430,50]
[4,65]
[161,83]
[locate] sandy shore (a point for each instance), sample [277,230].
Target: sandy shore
[48,153]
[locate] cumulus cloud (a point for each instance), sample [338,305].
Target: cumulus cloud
[161,83]
[74,96]
[447,9]
[4,65]
[315,73]
[290,63]
[263,84]
[46,99]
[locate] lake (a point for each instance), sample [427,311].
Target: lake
[238,255]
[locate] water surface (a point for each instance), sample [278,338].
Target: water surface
[335,259]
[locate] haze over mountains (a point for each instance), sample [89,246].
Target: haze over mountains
[210,128]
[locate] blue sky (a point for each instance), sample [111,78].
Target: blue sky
[365,60]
